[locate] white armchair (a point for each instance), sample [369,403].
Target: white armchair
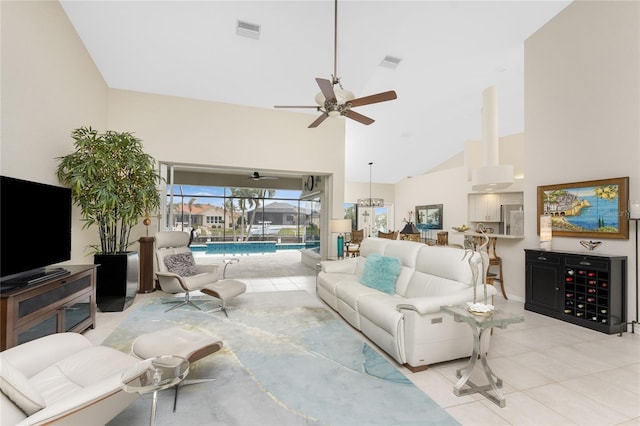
[64,379]
[177,272]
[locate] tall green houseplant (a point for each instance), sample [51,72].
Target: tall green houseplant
[113,181]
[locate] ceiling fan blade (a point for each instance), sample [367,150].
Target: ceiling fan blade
[326,88]
[316,107]
[257,176]
[358,117]
[318,121]
[372,99]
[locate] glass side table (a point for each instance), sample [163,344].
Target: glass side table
[153,375]
[480,324]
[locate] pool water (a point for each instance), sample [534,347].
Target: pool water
[248,247]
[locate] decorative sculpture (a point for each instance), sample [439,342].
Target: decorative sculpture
[477,267]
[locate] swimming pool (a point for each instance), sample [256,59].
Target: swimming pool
[249,247]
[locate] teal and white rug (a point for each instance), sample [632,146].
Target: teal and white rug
[287,360]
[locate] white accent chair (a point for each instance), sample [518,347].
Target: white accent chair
[172,248]
[62,378]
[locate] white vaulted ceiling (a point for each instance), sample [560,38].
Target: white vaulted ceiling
[450,52]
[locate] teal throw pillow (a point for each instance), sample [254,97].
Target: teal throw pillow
[380,272]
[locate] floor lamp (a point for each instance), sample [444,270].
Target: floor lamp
[634,215]
[340,227]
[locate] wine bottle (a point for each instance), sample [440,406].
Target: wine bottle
[591,299]
[603,320]
[591,282]
[603,311]
[569,295]
[579,314]
[567,311]
[570,272]
[591,274]
[580,272]
[591,290]
[568,279]
[604,284]
[580,305]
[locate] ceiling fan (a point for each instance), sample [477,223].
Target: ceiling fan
[258,176]
[335,101]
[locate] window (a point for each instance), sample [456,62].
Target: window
[214,220]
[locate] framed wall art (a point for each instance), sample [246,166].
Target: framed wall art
[429,217]
[590,209]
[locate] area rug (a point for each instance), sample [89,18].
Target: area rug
[287,360]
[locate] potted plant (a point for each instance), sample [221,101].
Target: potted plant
[113,182]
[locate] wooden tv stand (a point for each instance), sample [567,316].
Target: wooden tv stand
[63,303]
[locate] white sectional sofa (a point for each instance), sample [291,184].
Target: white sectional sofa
[407,324]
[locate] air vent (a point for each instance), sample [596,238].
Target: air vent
[247,29]
[390,62]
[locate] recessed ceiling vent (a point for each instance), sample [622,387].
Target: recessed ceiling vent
[247,29]
[390,62]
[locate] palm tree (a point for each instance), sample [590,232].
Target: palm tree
[242,194]
[190,207]
[255,202]
[229,206]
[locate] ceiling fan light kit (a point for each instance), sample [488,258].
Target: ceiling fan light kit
[334,100]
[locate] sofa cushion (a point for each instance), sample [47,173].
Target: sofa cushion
[19,389]
[95,366]
[380,272]
[182,264]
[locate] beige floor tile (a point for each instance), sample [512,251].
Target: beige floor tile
[549,366]
[516,375]
[611,388]
[580,409]
[476,414]
[522,410]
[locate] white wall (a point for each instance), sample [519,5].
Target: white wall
[582,122]
[582,109]
[190,131]
[50,86]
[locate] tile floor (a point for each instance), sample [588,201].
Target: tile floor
[554,373]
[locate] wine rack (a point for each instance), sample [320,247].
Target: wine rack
[586,294]
[587,290]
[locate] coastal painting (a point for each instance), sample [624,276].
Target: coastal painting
[590,209]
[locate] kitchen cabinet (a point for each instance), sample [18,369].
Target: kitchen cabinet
[484,207]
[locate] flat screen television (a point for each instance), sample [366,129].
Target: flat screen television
[35,230]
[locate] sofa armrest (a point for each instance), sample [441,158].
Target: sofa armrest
[429,305]
[344,266]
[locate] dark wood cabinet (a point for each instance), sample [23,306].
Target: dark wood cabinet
[66,303]
[584,289]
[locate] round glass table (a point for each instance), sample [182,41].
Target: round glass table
[153,375]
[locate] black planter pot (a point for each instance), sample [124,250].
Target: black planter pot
[116,280]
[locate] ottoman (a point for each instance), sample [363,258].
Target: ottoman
[176,341]
[223,290]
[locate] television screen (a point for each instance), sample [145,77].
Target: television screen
[35,226]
